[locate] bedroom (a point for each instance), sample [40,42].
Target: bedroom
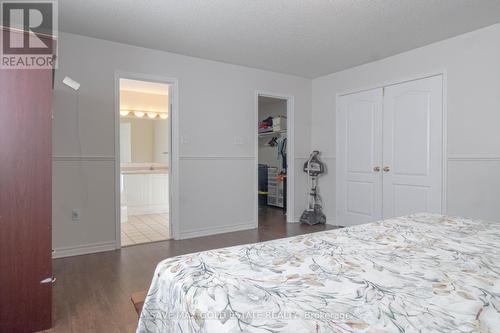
[218,57]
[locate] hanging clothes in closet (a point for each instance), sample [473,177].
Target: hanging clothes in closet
[282,152]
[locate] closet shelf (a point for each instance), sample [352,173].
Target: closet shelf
[266,134]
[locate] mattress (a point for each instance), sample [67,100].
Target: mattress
[423,272]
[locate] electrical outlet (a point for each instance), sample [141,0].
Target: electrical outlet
[75,215]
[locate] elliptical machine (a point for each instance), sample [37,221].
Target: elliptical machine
[313,168]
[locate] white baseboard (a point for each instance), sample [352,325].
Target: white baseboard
[331,222]
[185,234]
[83,249]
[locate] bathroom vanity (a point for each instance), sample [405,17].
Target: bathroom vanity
[144,189]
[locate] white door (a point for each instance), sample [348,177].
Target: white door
[162,141]
[125,143]
[359,136]
[412,147]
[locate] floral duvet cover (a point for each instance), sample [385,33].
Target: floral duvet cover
[418,273]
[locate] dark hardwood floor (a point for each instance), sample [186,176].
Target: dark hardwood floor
[92,292]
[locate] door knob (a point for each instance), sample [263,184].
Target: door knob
[376,169]
[387,169]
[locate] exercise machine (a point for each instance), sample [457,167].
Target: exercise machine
[314,212]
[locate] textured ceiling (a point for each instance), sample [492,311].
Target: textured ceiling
[308,38]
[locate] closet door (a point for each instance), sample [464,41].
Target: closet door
[359,135]
[412,147]
[25,200]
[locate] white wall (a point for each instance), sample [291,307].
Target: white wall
[216,103]
[472,64]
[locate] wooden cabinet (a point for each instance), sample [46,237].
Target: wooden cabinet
[25,200]
[145,193]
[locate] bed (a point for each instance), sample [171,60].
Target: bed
[423,272]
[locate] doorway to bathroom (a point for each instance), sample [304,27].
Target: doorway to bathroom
[145,138]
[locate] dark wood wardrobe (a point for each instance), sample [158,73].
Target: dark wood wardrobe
[25,200]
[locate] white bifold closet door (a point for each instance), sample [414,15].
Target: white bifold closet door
[390,143]
[412,147]
[359,189]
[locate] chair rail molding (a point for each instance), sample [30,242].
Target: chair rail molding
[83,158]
[215,157]
[474,157]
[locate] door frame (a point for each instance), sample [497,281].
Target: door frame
[444,172]
[173,175]
[290,191]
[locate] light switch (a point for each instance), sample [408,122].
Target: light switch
[238,140]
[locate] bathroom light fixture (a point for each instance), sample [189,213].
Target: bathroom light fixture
[141,113]
[71,83]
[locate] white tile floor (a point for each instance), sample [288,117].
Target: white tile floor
[141,229]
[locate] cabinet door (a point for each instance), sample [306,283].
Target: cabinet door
[159,193]
[413,141]
[25,200]
[136,190]
[359,134]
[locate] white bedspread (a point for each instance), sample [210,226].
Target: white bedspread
[426,273]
